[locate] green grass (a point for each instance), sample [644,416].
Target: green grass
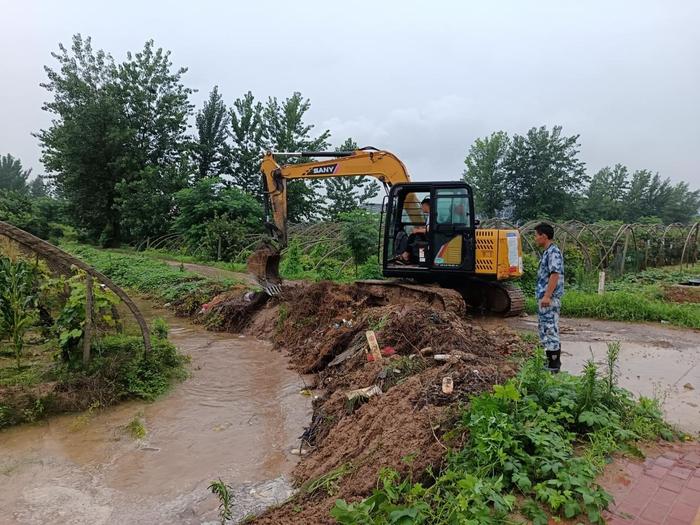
[625,306]
[634,297]
[186,290]
[533,447]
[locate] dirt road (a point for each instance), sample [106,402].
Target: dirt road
[212,272]
[655,360]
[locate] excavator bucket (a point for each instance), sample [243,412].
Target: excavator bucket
[264,264]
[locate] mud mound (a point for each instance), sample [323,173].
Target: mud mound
[322,326]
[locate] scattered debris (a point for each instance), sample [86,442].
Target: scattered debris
[447,385]
[366,392]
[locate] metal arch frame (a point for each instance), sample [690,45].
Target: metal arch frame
[54,254]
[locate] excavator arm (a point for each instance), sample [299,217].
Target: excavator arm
[368,162]
[382,165]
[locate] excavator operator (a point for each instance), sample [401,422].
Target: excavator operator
[407,245]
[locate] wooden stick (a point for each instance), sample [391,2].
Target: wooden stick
[373,345]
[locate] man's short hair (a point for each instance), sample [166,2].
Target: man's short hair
[426,201]
[545,229]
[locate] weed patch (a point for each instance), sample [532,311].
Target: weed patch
[136,428]
[534,446]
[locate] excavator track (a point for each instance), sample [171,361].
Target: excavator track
[496,297]
[432,294]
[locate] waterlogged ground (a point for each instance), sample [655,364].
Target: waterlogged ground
[655,360]
[236,418]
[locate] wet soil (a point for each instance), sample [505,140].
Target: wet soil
[236,418]
[322,327]
[655,360]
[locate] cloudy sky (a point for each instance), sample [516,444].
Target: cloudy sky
[423,79]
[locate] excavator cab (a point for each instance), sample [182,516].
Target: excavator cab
[446,251]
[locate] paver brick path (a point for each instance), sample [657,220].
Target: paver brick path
[663,489]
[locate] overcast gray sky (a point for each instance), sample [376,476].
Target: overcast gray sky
[423,79]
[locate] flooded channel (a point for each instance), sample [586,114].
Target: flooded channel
[236,418]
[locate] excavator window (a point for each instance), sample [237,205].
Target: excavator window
[453,206]
[407,216]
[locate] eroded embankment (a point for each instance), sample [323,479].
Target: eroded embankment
[322,327]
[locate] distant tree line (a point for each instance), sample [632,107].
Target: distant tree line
[122,164]
[119,154]
[540,175]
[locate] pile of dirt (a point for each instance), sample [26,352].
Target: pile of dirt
[680,293]
[322,327]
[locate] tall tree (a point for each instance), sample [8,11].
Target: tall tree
[486,173]
[346,194]
[83,146]
[285,130]
[605,196]
[211,151]
[12,176]
[651,196]
[544,174]
[248,144]
[154,167]
[37,188]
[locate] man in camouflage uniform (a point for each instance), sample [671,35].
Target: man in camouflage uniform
[548,292]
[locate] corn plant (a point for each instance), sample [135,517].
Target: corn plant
[17,302]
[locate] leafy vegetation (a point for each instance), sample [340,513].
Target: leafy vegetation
[534,446]
[136,428]
[44,316]
[223,492]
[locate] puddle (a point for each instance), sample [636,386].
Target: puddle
[236,418]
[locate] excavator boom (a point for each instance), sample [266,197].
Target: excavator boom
[381,165]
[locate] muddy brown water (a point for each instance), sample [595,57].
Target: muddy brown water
[656,360]
[236,418]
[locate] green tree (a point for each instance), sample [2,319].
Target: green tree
[285,130]
[156,107]
[360,234]
[215,219]
[116,149]
[651,196]
[83,147]
[248,145]
[605,195]
[17,302]
[345,194]
[486,173]
[37,188]
[544,174]
[12,176]
[211,151]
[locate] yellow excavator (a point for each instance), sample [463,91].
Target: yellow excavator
[431,238]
